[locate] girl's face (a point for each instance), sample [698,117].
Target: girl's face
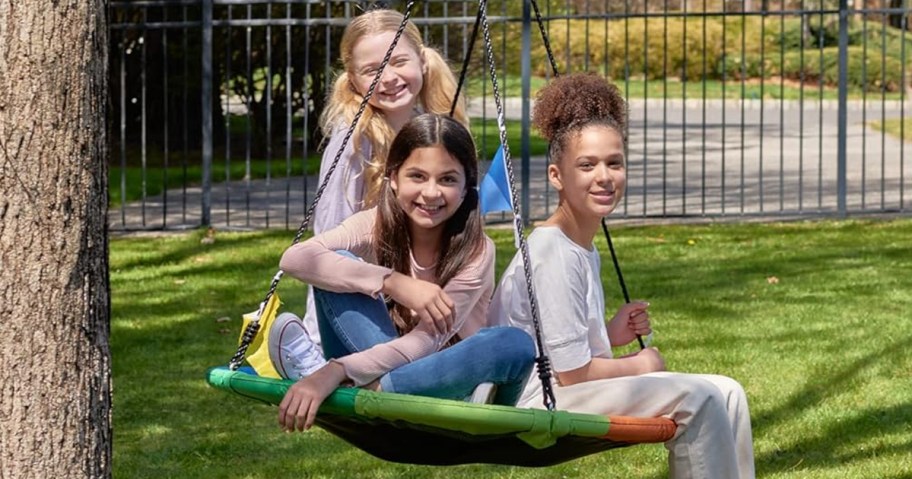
[398,90]
[430,186]
[591,175]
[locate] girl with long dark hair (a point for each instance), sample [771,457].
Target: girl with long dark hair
[402,289]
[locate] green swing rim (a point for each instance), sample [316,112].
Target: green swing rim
[537,427]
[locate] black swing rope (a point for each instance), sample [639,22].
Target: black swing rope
[614,259]
[617,269]
[542,360]
[465,62]
[251,331]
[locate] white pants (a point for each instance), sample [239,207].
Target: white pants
[713,439]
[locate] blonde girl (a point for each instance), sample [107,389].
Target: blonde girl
[416,79]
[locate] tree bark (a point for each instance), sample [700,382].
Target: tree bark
[55,367]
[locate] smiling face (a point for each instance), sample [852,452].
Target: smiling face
[398,91]
[590,176]
[429,186]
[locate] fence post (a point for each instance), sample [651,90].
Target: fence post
[525,75]
[842,115]
[206,120]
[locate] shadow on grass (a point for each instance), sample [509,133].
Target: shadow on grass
[822,450]
[164,337]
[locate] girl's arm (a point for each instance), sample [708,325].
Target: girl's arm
[317,262]
[630,320]
[563,281]
[470,292]
[642,362]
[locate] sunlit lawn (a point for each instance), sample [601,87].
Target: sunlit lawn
[812,317]
[675,89]
[897,127]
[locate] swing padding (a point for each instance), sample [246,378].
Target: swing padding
[421,430]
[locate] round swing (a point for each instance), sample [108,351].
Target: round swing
[422,430]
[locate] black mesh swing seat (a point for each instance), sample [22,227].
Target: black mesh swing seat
[422,430]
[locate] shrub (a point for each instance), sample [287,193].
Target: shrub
[637,47]
[751,65]
[646,53]
[872,73]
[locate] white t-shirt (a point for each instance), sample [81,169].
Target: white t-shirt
[571,302]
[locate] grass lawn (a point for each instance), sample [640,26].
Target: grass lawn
[752,89]
[177,175]
[487,138]
[897,127]
[811,317]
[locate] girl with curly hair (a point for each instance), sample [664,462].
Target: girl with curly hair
[584,118]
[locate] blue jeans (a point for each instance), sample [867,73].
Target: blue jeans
[353,322]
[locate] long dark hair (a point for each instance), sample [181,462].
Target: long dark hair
[463,235]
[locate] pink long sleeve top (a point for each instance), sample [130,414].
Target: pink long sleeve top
[316,262]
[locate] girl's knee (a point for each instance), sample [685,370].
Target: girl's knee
[703,393]
[730,389]
[512,348]
[513,341]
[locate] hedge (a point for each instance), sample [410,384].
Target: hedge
[638,47]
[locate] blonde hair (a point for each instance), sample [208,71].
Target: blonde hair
[436,95]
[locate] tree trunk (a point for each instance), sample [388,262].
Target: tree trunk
[55,366]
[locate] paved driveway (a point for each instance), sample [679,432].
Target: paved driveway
[685,159]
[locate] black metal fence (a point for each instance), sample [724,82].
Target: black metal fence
[765,108]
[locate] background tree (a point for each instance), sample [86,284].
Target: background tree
[896,19]
[55,418]
[169,58]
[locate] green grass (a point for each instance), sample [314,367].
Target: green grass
[898,127]
[507,86]
[811,317]
[673,88]
[487,138]
[177,175]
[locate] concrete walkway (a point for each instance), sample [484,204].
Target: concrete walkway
[775,158]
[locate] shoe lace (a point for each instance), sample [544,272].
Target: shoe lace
[306,356]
